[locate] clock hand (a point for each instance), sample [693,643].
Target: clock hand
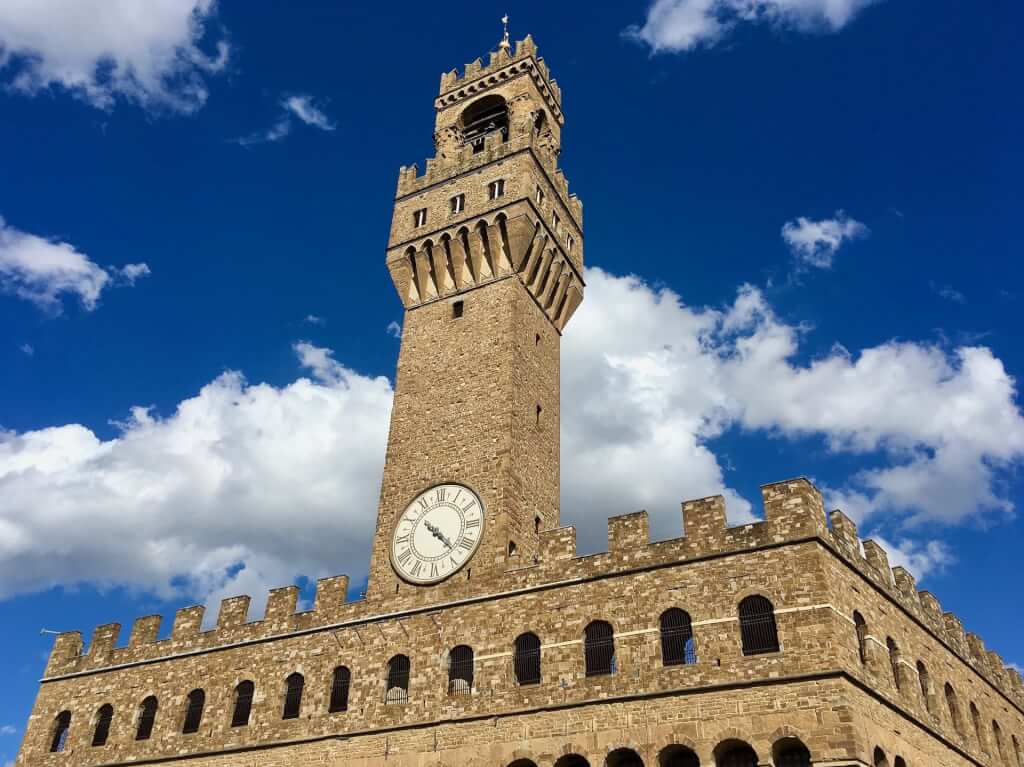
[438,534]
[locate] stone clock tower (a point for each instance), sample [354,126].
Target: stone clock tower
[486,252]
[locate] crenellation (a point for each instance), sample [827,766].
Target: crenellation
[794,509]
[234,612]
[931,612]
[844,535]
[188,622]
[145,630]
[65,653]
[557,544]
[629,534]
[281,606]
[906,589]
[330,598]
[977,654]
[103,642]
[878,560]
[955,634]
[704,518]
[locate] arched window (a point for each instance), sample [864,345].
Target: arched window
[398,680]
[61,727]
[926,685]
[953,707]
[976,719]
[103,718]
[880,758]
[757,626]
[527,659]
[677,756]
[484,116]
[861,628]
[523,763]
[624,757]
[193,712]
[243,703]
[997,736]
[735,754]
[1016,750]
[599,648]
[147,718]
[293,687]
[572,760]
[460,670]
[339,689]
[677,647]
[792,753]
[894,660]
[899,762]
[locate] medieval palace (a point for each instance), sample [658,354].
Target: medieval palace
[483,640]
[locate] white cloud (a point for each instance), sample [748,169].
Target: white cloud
[243,486]
[815,243]
[43,270]
[949,293]
[313,319]
[147,53]
[300,106]
[683,25]
[8,729]
[920,559]
[394,329]
[248,486]
[27,349]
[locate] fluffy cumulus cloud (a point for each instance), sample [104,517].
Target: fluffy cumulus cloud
[300,107]
[243,486]
[683,25]
[44,271]
[246,486]
[815,243]
[156,54]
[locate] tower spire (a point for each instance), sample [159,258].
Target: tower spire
[505,44]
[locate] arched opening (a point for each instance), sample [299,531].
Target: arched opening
[293,687]
[976,720]
[398,681]
[899,762]
[894,660]
[523,763]
[860,627]
[243,703]
[339,689]
[790,752]
[526,660]
[925,681]
[483,117]
[677,756]
[997,736]
[599,648]
[757,626]
[572,760]
[953,707]
[460,670]
[1016,750]
[735,753]
[677,646]
[147,718]
[61,728]
[103,719]
[194,712]
[624,757]
[880,759]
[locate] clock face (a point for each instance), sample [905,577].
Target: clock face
[437,533]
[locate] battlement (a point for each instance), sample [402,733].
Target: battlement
[793,513]
[524,59]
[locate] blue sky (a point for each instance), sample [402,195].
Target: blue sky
[802,228]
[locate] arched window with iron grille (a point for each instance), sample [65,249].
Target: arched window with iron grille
[339,689]
[894,660]
[861,628]
[526,660]
[792,753]
[147,718]
[193,712]
[757,626]
[460,670]
[926,685]
[398,680]
[243,703]
[293,687]
[953,707]
[599,648]
[677,645]
[103,719]
[61,728]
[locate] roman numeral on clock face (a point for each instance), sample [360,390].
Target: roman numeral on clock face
[466,544]
[404,556]
[471,523]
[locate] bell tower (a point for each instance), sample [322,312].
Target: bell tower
[486,253]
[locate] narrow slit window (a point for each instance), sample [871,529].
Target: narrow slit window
[419,218]
[569,242]
[539,196]
[861,628]
[556,223]
[458,203]
[458,307]
[512,548]
[539,411]
[894,660]
[496,189]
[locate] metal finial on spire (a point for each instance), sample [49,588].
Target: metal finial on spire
[505,45]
